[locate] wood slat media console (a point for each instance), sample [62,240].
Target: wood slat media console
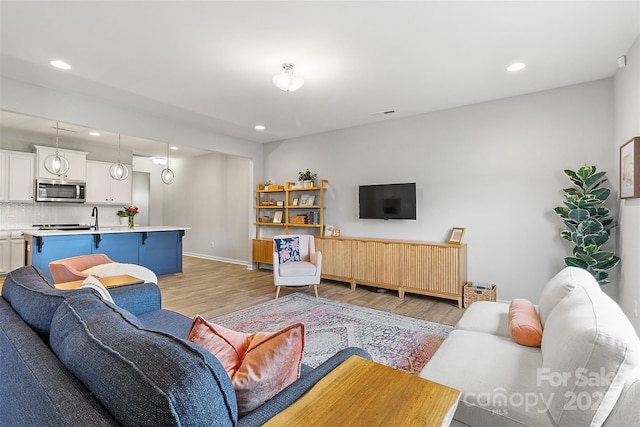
[426,268]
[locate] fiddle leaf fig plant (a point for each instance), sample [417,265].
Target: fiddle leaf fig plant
[588,222]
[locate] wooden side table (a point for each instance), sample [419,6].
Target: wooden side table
[360,392]
[107,281]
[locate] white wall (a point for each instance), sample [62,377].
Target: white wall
[211,195]
[627,126]
[494,168]
[156,189]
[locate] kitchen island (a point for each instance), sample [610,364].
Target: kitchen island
[157,248]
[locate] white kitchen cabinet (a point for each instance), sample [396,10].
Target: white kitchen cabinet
[17,251]
[102,189]
[11,251]
[77,163]
[5,252]
[20,177]
[4,176]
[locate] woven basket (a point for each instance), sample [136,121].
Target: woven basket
[299,219]
[472,295]
[274,187]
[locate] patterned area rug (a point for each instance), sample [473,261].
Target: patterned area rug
[398,341]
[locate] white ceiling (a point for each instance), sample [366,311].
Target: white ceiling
[211,62]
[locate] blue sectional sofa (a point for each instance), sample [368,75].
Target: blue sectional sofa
[68,358]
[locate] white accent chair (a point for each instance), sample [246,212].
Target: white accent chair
[305,272]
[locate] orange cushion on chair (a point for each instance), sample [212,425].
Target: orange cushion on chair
[260,365]
[524,323]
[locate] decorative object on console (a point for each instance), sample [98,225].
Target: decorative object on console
[55,163]
[167,174]
[401,342]
[456,235]
[630,169]
[286,81]
[259,364]
[119,171]
[328,230]
[588,222]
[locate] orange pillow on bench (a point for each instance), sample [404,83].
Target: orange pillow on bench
[260,365]
[524,323]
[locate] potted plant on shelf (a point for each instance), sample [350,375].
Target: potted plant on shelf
[588,222]
[307,178]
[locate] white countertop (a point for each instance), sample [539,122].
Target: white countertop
[101,230]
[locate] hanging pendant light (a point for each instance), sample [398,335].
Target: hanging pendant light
[119,171]
[55,163]
[167,174]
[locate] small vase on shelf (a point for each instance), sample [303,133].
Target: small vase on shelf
[131,222]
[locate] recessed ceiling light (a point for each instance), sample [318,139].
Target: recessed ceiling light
[516,66]
[259,127]
[94,133]
[60,64]
[173,147]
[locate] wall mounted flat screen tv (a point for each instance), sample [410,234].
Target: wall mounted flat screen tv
[388,201]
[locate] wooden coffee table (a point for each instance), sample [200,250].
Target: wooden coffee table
[360,392]
[107,281]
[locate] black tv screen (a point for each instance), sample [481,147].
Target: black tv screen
[388,201]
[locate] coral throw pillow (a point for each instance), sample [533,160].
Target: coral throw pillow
[260,365]
[288,249]
[524,323]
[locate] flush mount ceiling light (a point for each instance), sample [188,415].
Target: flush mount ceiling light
[119,171]
[286,81]
[259,127]
[516,66]
[167,174]
[55,163]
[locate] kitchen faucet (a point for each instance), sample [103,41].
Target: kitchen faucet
[94,212]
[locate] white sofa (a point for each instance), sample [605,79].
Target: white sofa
[586,372]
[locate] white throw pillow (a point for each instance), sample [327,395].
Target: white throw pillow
[560,286]
[93,283]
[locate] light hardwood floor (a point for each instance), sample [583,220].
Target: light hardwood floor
[212,288]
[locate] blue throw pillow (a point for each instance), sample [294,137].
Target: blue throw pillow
[31,295]
[288,249]
[142,377]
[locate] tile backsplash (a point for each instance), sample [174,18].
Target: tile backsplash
[24,215]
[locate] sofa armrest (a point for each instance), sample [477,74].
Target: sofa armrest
[289,395]
[137,299]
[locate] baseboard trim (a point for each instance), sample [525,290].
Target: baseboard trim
[221,259]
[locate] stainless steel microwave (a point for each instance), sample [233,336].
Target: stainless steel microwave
[50,190]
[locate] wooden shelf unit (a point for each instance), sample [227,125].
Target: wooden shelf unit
[262,249]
